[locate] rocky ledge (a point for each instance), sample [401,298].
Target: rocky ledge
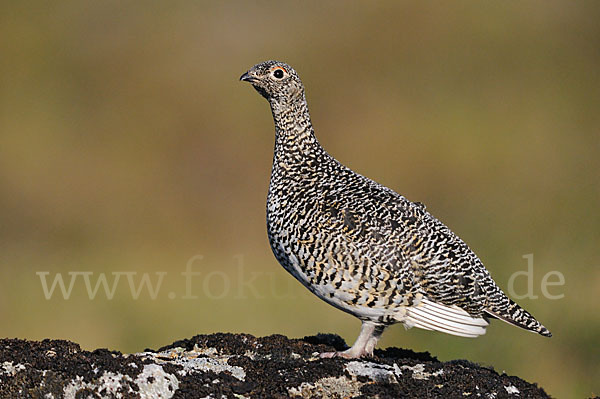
[242,366]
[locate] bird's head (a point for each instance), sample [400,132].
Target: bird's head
[276,81]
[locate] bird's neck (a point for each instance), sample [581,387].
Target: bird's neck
[295,140]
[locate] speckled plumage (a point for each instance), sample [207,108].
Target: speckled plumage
[362,247]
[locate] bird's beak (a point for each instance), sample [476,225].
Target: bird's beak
[247,78]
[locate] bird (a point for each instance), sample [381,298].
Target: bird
[362,247]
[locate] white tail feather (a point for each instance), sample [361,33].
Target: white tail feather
[449,319]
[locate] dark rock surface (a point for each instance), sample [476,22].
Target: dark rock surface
[243,366]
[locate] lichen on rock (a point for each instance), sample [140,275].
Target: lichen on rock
[242,366]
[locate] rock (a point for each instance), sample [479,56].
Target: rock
[242,366]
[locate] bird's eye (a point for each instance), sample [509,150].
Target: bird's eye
[278,73]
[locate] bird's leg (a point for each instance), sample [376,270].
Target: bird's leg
[372,343]
[364,345]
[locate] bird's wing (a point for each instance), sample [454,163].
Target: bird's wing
[424,256]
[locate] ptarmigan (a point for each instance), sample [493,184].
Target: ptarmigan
[362,247]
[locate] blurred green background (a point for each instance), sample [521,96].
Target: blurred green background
[127,144]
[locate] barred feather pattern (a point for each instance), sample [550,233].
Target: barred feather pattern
[359,245]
